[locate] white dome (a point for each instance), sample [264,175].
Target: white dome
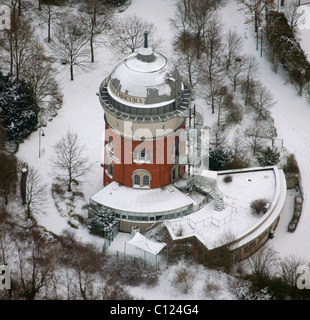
[144,78]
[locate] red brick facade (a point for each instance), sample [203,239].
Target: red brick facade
[158,157]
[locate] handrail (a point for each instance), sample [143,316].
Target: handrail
[213,220]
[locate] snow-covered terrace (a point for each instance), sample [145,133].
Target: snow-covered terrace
[247,185]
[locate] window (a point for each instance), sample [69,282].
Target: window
[141,178]
[142,154]
[177,146]
[109,168]
[111,144]
[146,180]
[136,180]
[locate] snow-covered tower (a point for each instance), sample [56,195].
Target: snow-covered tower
[145,106]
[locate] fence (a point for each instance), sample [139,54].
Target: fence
[209,220]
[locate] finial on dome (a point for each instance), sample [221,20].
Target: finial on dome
[146,54]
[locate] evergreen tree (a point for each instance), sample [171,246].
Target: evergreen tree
[219,158]
[18,110]
[268,157]
[102,221]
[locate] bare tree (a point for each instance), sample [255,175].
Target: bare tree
[40,76]
[249,76]
[233,47]
[69,161]
[6,242]
[237,145]
[291,13]
[263,101]
[223,101]
[211,69]
[255,137]
[263,262]
[224,243]
[189,64]
[98,21]
[234,73]
[213,88]
[35,193]
[50,13]
[16,45]
[33,261]
[190,23]
[213,48]
[86,262]
[288,271]
[127,34]
[218,136]
[70,42]
[255,8]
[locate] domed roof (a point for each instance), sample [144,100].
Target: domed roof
[144,78]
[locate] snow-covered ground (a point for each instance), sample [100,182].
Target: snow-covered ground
[83,114]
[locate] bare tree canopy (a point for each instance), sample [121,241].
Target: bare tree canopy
[127,34]
[98,21]
[69,44]
[69,161]
[35,192]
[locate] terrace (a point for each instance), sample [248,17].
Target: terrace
[211,226]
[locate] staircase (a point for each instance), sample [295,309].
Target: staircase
[219,202]
[154,229]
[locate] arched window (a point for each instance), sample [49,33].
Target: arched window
[141,178]
[136,180]
[146,180]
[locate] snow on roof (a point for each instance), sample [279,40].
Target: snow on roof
[247,185]
[145,244]
[149,80]
[141,200]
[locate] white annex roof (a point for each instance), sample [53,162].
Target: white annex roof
[145,244]
[141,200]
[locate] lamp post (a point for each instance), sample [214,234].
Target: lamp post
[41,133]
[260,30]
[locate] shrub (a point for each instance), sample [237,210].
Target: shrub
[238,163]
[179,232]
[291,165]
[234,115]
[57,189]
[184,280]
[132,271]
[227,179]
[211,288]
[259,206]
